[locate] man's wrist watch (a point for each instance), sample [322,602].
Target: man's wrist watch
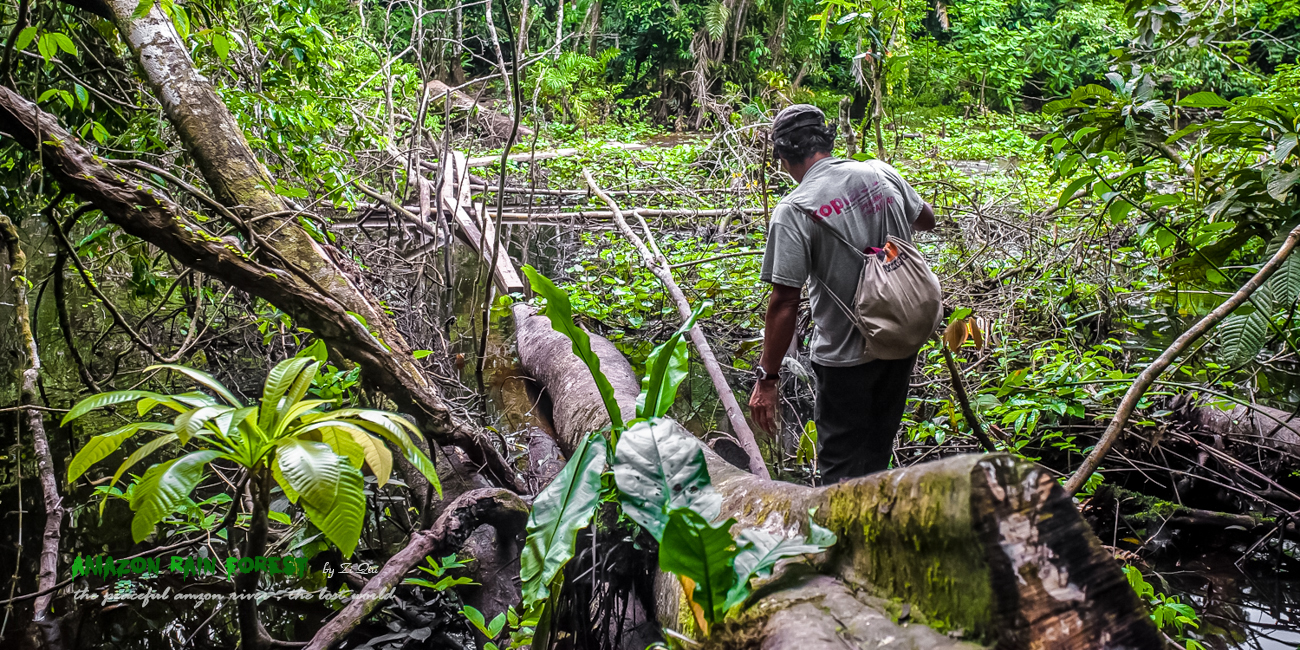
[762,374]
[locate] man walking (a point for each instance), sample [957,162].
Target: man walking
[860,400]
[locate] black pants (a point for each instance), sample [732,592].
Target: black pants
[857,412]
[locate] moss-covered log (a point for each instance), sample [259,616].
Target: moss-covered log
[984,546]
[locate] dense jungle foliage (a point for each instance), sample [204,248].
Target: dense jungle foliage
[264,264]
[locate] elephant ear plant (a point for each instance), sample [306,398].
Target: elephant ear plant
[314,454]
[660,480]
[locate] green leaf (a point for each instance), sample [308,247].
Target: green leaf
[758,554]
[25,38]
[560,312]
[108,399]
[65,43]
[312,469]
[279,517]
[1284,146]
[420,354]
[1074,187]
[278,382]
[1242,336]
[47,46]
[560,510]
[330,490]
[658,468]
[142,9]
[390,427]
[83,95]
[190,422]
[164,487]
[340,440]
[137,456]
[1204,99]
[704,553]
[316,350]
[99,447]
[204,379]
[1285,283]
[666,370]
[221,45]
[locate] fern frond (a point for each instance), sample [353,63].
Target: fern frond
[715,20]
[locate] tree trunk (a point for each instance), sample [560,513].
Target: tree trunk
[49,560]
[155,219]
[988,545]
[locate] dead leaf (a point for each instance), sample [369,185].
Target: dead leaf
[688,586]
[954,335]
[976,333]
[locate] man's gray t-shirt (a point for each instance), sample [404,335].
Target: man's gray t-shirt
[865,202]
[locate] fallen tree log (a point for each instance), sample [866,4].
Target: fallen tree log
[985,545]
[498,124]
[480,234]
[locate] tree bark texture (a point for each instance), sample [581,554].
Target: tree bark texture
[49,559]
[985,544]
[153,218]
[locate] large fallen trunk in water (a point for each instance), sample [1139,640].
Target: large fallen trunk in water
[983,547]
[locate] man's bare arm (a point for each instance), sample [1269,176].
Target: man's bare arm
[782,313]
[778,326]
[924,221]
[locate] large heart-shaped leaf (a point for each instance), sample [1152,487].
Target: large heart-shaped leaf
[694,548]
[99,447]
[560,510]
[659,467]
[164,487]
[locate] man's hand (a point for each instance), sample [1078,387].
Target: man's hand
[763,404]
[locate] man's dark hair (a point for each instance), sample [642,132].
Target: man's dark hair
[800,131]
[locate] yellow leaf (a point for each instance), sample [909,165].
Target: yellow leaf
[954,335]
[378,457]
[341,442]
[1132,540]
[688,586]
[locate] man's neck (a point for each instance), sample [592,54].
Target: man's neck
[801,170]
